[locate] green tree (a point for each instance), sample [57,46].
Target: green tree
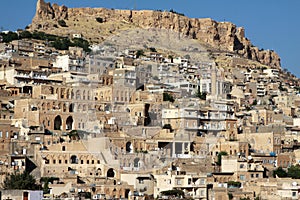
[10,36]
[152,49]
[45,181]
[234,184]
[171,58]
[279,172]
[222,153]
[254,102]
[173,11]
[139,53]
[99,19]
[62,44]
[21,181]
[25,34]
[168,97]
[176,193]
[294,171]
[201,95]
[245,198]
[79,42]
[281,88]
[62,23]
[168,126]
[86,195]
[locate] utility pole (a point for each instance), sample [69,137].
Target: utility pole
[134,4]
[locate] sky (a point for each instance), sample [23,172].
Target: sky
[269,24]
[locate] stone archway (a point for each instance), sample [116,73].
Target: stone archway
[127,193]
[57,123]
[110,173]
[69,123]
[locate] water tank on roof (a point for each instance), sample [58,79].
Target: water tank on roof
[272,154]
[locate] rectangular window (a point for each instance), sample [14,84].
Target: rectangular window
[6,134]
[204,89]
[202,181]
[242,177]
[178,181]
[0,133]
[202,193]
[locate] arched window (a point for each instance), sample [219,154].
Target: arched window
[83,95]
[78,96]
[88,95]
[110,173]
[57,123]
[136,162]
[99,172]
[64,107]
[72,94]
[129,148]
[74,159]
[71,107]
[79,107]
[69,123]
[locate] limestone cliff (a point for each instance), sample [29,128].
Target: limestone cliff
[95,24]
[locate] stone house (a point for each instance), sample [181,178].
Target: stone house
[83,163]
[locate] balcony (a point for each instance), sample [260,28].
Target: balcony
[191,116]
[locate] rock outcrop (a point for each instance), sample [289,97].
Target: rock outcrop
[220,36]
[48,11]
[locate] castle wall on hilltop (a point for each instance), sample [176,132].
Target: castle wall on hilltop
[223,36]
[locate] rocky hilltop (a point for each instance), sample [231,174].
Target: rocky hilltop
[96,24]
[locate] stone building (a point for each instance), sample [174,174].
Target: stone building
[84,162]
[59,108]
